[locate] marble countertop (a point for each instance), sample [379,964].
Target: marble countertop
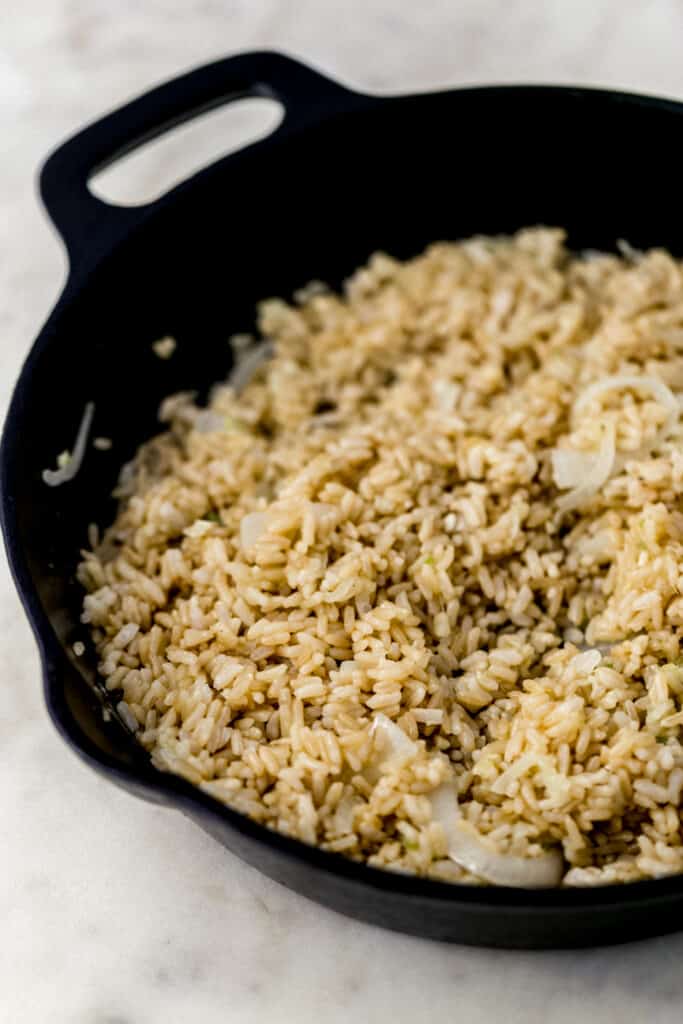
[115,912]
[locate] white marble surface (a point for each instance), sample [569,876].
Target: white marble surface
[117,913]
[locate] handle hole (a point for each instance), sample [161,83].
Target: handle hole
[156,166]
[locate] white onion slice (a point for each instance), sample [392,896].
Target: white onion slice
[344,814]
[595,474]
[570,467]
[247,364]
[476,855]
[656,387]
[252,527]
[395,747]
[55,477]
[585,473]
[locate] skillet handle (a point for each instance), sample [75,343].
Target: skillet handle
[90,227]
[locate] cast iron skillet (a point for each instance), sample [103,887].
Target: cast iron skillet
[343,175]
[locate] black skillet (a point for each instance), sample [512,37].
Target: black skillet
[343,175]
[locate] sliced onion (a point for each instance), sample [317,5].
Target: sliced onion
[656,387]
[395,747]
[595,474]
[247,364]
[344,814]
[55,477]
[472,852]
[658,390]
[252,527]
[570,467]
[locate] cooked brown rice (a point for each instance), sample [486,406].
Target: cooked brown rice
[373,529]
